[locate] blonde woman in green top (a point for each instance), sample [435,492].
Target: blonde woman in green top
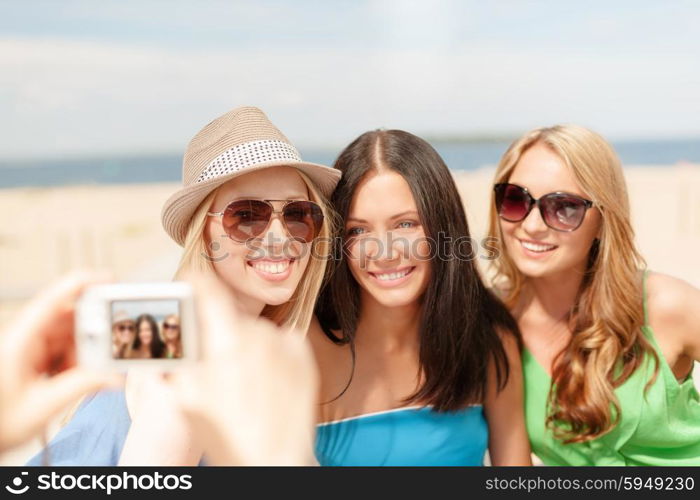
[172,337]
[608,348]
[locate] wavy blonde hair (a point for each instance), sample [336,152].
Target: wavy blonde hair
[298,311]
[607,343]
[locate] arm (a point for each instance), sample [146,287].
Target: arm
[160,434]
[251,400]
[508,441]
[39,377]
[673,307]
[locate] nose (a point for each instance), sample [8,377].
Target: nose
[370,249]
[364,250]
[389,247]
[395,246]
[533,224]
[276,235]
[276,229]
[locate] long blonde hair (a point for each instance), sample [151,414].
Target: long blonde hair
[298,311]
[607,344]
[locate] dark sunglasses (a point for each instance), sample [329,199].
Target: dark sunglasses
[170,326]
[122,328]
[244,220]
[560,211]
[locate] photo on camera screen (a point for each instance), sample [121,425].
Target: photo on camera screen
[146,329]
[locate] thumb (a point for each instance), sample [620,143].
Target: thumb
[221,322]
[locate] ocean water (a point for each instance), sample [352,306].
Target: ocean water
[167,168]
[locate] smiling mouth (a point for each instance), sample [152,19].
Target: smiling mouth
[272,267]
[531,246]
[392,276]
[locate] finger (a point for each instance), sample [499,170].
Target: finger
[51,310]
[219,319]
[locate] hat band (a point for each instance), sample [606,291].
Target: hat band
[247,155]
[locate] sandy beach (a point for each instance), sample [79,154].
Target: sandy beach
[45,232]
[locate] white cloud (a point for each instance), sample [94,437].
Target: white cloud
[71,97]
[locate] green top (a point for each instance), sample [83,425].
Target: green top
[658,427]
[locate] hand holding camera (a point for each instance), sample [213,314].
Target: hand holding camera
[252,399]
[248,399]
[39,374]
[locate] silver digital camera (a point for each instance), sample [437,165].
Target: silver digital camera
[125,325]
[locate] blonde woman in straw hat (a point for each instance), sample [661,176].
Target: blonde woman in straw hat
[250,211]
[123,334]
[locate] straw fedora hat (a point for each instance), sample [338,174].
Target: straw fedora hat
[236,143]
[120,317]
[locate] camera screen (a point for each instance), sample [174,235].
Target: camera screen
[146,329]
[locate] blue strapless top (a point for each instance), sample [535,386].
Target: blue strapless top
[406,436]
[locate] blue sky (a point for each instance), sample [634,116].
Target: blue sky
[132,77]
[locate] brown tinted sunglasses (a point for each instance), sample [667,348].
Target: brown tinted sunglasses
[244,220]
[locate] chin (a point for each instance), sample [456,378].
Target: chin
[532,269]
[400,298]
[532,273]
[275,297]
[546,270]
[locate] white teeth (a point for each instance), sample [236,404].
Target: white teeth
[392,276]
[533,247]
[272,267]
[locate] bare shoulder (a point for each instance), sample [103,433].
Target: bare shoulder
[673,306]
[323,347]
[511,390]
[316,333]
[334,361]
[671,300]
[510,345]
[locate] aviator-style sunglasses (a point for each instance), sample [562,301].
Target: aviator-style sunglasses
[244,220]
[560,211]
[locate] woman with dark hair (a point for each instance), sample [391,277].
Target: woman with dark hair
[147,343]
[419,361]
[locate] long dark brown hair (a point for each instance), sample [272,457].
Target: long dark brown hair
[157,344]
[461,320]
